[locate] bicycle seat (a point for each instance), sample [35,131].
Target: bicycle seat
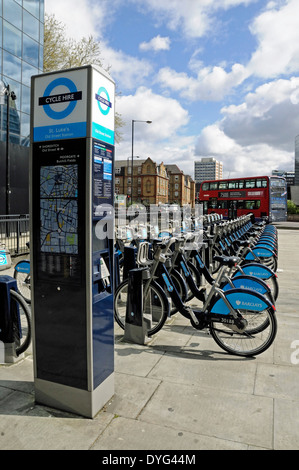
[227,260]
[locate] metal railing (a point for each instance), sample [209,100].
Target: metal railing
[14,233]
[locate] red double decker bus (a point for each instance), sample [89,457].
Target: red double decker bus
[263,196]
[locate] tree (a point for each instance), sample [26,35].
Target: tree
[61,52]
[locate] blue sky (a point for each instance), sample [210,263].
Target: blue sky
[217,78]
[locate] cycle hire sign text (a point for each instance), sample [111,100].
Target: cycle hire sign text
[60,106]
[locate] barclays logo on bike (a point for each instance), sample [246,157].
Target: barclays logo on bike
[247,301]
[243,303]
[255,288]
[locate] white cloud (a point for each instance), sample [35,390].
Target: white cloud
[211,83]
[193,17]
[277,33]
[269,116]
[241,160]
[127,71]
[258,135]
[157,43]
[213,140]
[166,114]
[82,18]
[160,140]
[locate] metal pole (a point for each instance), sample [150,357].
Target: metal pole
[7,154]
[132,161]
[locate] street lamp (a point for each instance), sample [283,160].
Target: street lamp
[133,121]
[5,91]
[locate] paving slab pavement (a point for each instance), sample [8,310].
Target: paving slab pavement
[180,392]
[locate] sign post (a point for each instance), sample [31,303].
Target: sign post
[72,179]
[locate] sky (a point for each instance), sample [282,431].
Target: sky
[217,78]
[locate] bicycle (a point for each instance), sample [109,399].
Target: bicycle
[261,250]
[22,276]
[21,321]
[240,312]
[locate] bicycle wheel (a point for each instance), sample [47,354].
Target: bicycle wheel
[258,335]
[270,262]
[23,283]
[21,322]
[273,285]
[155,306]
[271,281]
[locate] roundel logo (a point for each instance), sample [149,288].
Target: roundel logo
[69,98]
[103,99]
[2,259]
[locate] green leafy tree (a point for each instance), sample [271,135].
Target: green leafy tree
[292,208]
[62,52]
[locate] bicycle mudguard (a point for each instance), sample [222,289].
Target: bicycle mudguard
[164,234]
[23,266]
[240,299]
[257,270]
[247,282]
[260,252]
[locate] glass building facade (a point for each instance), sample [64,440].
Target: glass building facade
[21,56]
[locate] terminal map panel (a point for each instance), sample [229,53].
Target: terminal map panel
[59,209]
[59,202]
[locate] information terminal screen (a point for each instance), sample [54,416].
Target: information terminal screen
[59,202]
[103,178]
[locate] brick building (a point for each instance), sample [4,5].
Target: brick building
[153,183]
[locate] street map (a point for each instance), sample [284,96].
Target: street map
[59,209]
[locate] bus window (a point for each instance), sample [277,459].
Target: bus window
[205,186]
[222,185]
[241,184]
[250,184]
[213,203]
[233,185]
[222,204]
[250,205]
[240,204]
[213,186]
[262,183]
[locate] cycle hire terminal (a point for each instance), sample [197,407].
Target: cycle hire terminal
[72,234]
